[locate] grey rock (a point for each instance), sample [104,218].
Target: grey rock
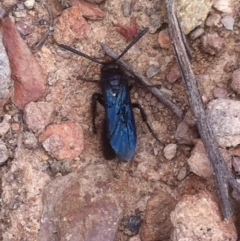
[185,134]
[127,8]
[228,22]
[192,13]
[196,33]
[170,151]
[223,5]
[224,118]
[29,4]
[236,81]
[3,153]
[84,208]
[182,173]
[30,140]
[5,74]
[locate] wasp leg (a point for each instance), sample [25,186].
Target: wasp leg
[96,97]
[144,118]
[108,152]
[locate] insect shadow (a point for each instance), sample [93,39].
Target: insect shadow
[119,130]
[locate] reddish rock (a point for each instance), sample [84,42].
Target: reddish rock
[63,141]
[192,185]
[71,24]
[185,134]
[164,40]
[198,217]
[173,74]
[212,43]
[38,115]
[156,223]
[84,207]
[15,126]
[29,80]
[236,81]
[90,11]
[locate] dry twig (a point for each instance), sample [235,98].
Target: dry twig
[223,177]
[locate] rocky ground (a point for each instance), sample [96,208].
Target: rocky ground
[55,182]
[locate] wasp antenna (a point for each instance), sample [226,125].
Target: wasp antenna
[137,38]
[81,54]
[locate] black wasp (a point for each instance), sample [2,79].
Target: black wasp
[120,129]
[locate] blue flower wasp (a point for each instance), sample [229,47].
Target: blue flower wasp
[120,138]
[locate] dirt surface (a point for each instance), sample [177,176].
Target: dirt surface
[70,98]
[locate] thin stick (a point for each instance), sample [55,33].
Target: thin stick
[223,177]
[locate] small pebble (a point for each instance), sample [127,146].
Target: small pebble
[148,96]
[126,7]
[153,69]
[29,4]
[19,14]
[173,74]
[170,151]
[30,140]
[236,164]
[228,22]
[166,91]
[235,85]
[155,151]
[196,33]
[220,93]
[182,173]
[15,126]
[164,40]
[213,20]
[212,43]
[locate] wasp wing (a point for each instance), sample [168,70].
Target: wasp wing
[120,122]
